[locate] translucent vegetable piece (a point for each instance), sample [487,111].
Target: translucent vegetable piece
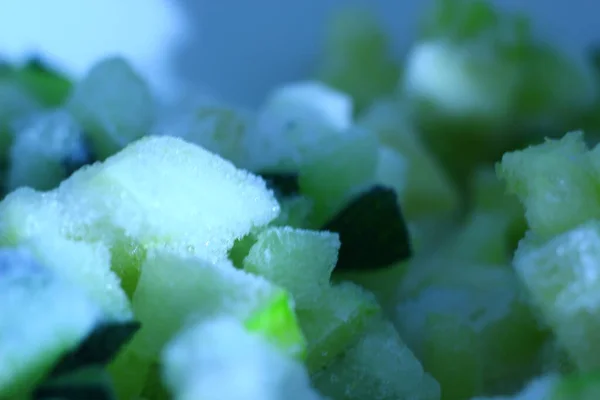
[42,318]
[296,121]
[562,278]
[113,104]
[218,128]
[175,288]
[300,261]
[204,361]
[424,189]
[343,170]
[452,356]
[556,183]
[129,372]
[45,151]
[379,367]
[357,57]
[337,320]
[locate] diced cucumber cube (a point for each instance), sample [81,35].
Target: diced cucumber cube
[165,190]
[379,367]
[451,354]
[556,183]
[220,359]
[562,278]
[36,221]
[42,318]
[176,288]
[336,321]
[218,128]
[426,190]
[332,178]
[296,121]
[357,57]
[45,151]
[113,104]
[301,261]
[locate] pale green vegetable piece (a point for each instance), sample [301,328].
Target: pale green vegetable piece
[220,359]
[474,83]
[451,354]
[175,288]
[336,321]
[296,211]
[357,57]
[488,300]
[556,183]
[26,213]
[42,318]
[339,173]
[113,104]
[425,189]
[45,151]
[296,121]
[562,278]
[165,190]
[217,127]
[35,220]
[379,367]
[301,261]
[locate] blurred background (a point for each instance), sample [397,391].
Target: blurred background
[232,48]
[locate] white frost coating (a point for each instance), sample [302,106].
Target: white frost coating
[299,118]
[460,81]
[220,360]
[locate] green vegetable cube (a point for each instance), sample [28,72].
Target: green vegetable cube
[556,183]
[113,104]
[379,367]
[561,276]
[176,288]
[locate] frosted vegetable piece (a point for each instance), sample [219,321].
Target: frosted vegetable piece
[175,288]
[114,105]
[341,171]
[86,265]
[563,279]
[424,189]
[220,359]
[297,120]
[42,317]
[379,367]
[556,183]
[165,190]
[47,149]
[25,213]
[301,261]
[336,320]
